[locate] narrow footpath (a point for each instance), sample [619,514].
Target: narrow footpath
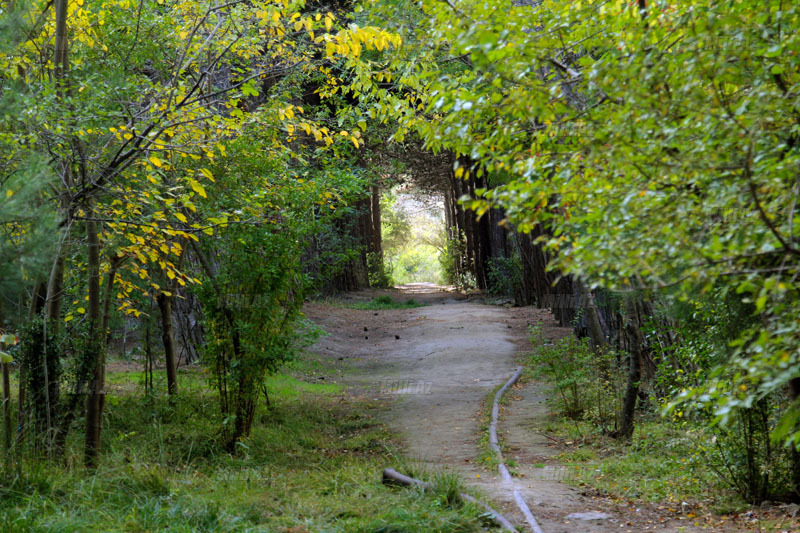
[435,367]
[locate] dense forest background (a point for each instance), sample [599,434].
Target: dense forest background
[177,178]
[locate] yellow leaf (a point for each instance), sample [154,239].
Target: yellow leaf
[156,161]
[196,187]
[9,193]
[330,49]
[181,217]
[170,274]
[207,173]
[68,318]
[81,310]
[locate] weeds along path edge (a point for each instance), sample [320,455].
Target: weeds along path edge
[392,476]
[495,445]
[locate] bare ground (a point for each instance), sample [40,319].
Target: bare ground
[434,367]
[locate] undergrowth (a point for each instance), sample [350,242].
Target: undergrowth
[313,463]
[662,464]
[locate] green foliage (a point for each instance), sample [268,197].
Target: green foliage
[451,260]
[416,264]
[742,452]
[380,277]
[412,239]
[28,225]
[255,282]
[588,385]
[743,455]
[568,365]
[313,463]
[40,352]
[505,276]
[662,463]
[250,308]
[658,146]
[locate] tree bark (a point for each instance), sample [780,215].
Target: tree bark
[6,403]
[794,393]
[634,372]
[7,408]
[596,334]
[38,302]
[167,338]
[96,397]
[375,212]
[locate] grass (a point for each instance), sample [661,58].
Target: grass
[662,464]
[313,463]
[383,303]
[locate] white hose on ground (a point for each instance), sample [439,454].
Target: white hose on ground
[494,444]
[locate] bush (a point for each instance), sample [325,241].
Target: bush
[452,260]
[380,274]
[505,276]
[588,385]
[743,455]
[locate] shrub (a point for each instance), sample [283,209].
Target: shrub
[588,385]
[505,276]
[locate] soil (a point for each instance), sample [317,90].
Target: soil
[434,367]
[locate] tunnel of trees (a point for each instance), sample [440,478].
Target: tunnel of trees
[183,184]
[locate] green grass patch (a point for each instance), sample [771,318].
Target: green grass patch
[195,380]
[383,303]
[313,463]
[663,463]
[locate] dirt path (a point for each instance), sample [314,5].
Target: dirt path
[435,366]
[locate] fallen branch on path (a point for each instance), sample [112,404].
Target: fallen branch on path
[393,477]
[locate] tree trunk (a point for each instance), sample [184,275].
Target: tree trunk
[55,283]
[375,212]
[596,334]
[148,361]
[794,393]
[38,303]
[96,397]
[7,408]
[634,373]
[6,403]
[167,338]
